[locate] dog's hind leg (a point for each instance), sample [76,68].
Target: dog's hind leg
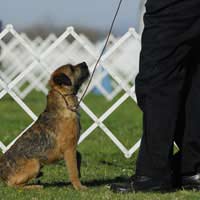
[71,162]
[26,171]
[40,174]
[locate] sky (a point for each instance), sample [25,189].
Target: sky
[90,13]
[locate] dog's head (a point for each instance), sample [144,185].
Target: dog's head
[69,78]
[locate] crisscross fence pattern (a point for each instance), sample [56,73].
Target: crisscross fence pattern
[27,64]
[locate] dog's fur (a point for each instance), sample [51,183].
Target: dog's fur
[53,136]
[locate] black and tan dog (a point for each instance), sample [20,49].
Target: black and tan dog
[54,135]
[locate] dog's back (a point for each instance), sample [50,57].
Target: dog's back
[32,145]
[4,168]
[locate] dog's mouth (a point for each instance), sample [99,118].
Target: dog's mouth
[80,82]
[84,71]
[84,76]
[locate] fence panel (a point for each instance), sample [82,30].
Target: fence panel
[119,65]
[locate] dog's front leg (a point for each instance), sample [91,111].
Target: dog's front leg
[71,162]
[79,160]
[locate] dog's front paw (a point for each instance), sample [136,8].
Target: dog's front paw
[30,187]
[79,187]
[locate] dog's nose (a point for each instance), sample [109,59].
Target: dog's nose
[84,69]
[84,64]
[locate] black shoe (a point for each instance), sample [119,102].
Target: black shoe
[143,184]
[191,182]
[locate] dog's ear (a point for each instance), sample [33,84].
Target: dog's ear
[62,79]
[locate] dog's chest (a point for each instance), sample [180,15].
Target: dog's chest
[68,132]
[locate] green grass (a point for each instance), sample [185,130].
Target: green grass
[102,164]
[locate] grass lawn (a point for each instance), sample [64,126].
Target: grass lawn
[102,164]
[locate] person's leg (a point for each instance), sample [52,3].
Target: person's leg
[190,64]
[190,163]
[170,26]
[186,162]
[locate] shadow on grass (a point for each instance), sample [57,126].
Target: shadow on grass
[92,183]
[96,183]
[107,182]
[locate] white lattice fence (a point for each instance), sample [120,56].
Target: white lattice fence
[20,56]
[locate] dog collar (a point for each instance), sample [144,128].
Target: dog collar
[72,108]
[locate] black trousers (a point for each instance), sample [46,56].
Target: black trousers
[168,87]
